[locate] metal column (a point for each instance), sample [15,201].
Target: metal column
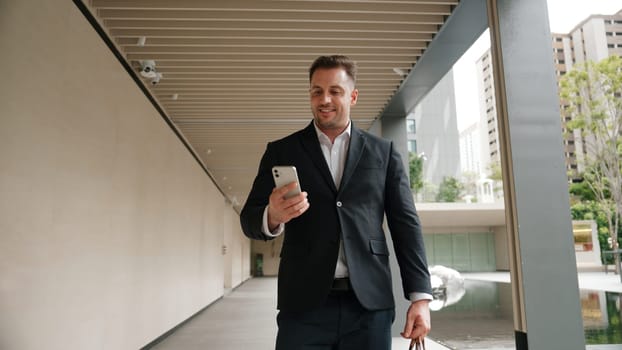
[547,313]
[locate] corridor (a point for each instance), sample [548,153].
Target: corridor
[242,320]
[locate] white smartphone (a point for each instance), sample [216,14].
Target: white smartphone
[286,174]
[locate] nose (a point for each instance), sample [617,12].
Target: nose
[326,98]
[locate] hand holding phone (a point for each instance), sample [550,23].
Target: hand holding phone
[280,210]
[284,175]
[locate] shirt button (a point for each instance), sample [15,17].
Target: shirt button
[339,204]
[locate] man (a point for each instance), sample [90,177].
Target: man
[334,287]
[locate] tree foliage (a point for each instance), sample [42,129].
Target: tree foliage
[592,94]
[496,175]
[494,170]
[581,191]
[416,171]
[449,190]
[469,184]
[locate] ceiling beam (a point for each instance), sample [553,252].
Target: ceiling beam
[466,24]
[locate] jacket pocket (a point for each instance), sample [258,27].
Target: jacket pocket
[378,247]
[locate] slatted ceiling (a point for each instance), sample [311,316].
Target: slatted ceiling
[238,68]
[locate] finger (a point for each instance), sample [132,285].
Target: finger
[299,208]
[422,328]
[295,209]
[408,327]
[277,198]
[290,186]
[418,333]
[297,199]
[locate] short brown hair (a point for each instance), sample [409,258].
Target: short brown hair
[334,61]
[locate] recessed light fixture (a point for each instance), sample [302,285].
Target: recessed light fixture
[400,72]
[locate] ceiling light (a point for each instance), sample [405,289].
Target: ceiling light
[400,72]
[147,69]
[155,80]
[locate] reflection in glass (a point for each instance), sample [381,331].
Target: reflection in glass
[601,317]
[447,287]
[482,318]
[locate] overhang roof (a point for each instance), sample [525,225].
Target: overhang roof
[235,73]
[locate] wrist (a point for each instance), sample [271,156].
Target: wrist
[272,224]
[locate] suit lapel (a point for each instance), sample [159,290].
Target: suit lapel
[357,144]
[311,145]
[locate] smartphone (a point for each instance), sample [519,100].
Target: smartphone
[286,174]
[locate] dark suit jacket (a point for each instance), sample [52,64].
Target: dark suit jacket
[373,183]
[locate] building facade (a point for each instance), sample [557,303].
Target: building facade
[594,39]
[432,133]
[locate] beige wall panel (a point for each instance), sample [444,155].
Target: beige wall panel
[228,250]
[237,252]
[110,233]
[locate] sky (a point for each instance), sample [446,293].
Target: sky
[564,15]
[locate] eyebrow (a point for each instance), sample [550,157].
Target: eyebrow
[315,87]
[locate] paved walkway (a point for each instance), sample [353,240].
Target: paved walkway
[246,318]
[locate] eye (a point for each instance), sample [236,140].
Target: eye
[315,92]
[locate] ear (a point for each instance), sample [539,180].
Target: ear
[354,97]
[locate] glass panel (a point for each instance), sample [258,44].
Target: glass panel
[482,318]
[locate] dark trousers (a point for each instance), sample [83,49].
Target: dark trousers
[341,324]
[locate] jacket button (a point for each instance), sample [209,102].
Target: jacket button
[339,204]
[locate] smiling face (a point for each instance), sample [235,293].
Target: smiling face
[332,93]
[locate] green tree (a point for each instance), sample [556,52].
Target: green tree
[449,190]
[495,174]
[469,182]
[581,192]
[495,171]
[416,171]
[592,96]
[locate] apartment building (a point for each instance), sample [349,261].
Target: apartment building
[594,39]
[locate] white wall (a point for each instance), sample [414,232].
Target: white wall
[110,232]
[237,251]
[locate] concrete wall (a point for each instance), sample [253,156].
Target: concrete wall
[110,232]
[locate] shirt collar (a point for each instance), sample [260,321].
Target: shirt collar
[323,137]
